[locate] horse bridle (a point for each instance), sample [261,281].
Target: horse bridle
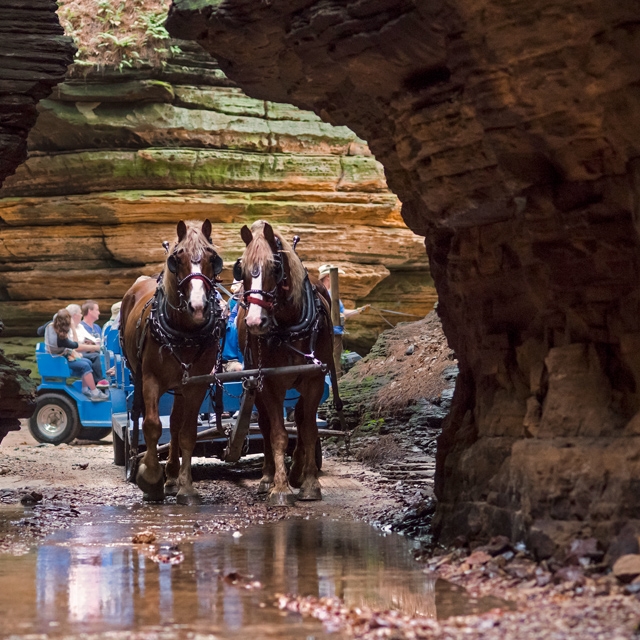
[269,298]
[209,284]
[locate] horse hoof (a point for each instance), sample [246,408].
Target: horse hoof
[310,494]
[188,500]
[170,488]
[152,491]
[153,497]
[281,499]
[264,487]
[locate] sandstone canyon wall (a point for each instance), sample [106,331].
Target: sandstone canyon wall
[117,157]
[34,55]
[511,133]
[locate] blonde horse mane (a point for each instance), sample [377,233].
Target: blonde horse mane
[260,252]
[193,243]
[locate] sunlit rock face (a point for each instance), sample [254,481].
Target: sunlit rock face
[510,132]
[34,56]
[117,158]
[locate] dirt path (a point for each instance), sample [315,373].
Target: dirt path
[53,483]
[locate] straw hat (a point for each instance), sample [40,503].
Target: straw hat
[326,268]
[115,309]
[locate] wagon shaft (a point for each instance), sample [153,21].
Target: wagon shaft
[236,376]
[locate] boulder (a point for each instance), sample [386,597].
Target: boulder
[627,567]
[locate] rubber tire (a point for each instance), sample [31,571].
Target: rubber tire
[118,450]
[70,412]
[319,454]
[94,433]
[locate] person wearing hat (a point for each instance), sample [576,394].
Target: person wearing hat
[324,273]
[114,320]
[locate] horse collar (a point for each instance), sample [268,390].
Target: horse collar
[172,338]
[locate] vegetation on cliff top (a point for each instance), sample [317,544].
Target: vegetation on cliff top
[120,34]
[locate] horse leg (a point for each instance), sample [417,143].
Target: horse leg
[307,437]
[280,494]
[150,477]
[268,466]
[295,473]
[187,494]
[172,468]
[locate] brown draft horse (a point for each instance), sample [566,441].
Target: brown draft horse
[285,321]
[171,329]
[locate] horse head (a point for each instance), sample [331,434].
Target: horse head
[272,275]
[191,271]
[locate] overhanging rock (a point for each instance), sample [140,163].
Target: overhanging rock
[510,133]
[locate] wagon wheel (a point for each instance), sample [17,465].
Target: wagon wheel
[55,420]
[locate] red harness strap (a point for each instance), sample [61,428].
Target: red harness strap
[261,303]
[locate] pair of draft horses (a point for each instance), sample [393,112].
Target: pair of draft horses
[171,329]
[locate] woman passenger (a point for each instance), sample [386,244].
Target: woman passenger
[58,343]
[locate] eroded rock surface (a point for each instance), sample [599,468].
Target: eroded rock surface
[34,55]
[118,157]
[510,133]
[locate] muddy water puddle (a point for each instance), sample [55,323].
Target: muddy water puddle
[91,578]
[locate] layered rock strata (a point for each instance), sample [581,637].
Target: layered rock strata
[34,55]
[510,132]
[117,158]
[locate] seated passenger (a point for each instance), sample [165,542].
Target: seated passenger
[88,329]
[232,358]
[58,343]
[114,320]
[88,346]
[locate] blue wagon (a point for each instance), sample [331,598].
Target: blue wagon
[64,413]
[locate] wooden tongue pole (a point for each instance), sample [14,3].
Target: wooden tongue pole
[335,312]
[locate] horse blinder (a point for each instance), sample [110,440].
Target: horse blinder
[217,263]
[237,270]
[172,264]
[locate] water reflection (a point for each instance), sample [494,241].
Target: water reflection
[91,579]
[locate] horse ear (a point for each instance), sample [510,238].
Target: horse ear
[206,229]
[269,235]
[246,234]
[182,230]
